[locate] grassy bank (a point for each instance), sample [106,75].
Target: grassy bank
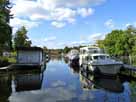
[5,61]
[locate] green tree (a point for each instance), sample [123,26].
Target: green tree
[120,42]
[5,29]
[66,49]
[21,39]
[131,32]
[5,7]
[100,43]
[113,42]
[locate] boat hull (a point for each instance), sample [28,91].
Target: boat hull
[111,69]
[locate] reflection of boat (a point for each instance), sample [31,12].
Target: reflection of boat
[27,81]
[109,84]
[73,56]
[89,82]
[74,67]
[99,62]
[86,80]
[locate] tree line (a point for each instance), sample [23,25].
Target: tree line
[120,42]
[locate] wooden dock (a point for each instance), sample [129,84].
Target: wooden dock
[128,70]
[130,67]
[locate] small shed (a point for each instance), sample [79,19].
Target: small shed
[31,56]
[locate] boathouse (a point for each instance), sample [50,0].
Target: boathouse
[30,56]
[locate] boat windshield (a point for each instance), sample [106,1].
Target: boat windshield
[95,57]
[100,57]
[92,50]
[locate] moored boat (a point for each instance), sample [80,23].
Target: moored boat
[96,61]
[102,63]
[73,56]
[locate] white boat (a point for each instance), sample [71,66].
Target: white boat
[104,64]
[100,63]
[85,51]
[73,55]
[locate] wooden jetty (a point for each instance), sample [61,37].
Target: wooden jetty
[128,70]
[130,67]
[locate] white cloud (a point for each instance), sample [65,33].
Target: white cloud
[63,14]
[51,42]
[73,43]
[49,95]
[135,24]
[96,36]
[109,23]
[53,10]
[17,23]
[84,12]
[52,38]
[128,24]
[47,39]
[58,83]
[69,3]
[58,24]
[91,39]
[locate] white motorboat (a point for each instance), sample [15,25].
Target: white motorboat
[85,51]
[73,56]
[100,63]
[104,64]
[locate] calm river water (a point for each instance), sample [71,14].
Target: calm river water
[61,83]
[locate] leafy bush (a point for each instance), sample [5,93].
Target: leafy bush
[4,61]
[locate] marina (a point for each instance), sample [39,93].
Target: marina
[67,51]
[59,79]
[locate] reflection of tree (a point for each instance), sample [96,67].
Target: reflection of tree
[56,58]
[66,60]
[5,88]
[133,91]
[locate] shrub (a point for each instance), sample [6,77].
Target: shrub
[4,61]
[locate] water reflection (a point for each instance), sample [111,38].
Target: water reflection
[74,68]
[29,81]
[61,83]
[5,88]
[89,81]
[108,89]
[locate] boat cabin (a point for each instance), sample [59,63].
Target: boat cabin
[90,50]
[85,52]
[98,57]
[31,56]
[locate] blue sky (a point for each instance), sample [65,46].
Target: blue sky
[60,23]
